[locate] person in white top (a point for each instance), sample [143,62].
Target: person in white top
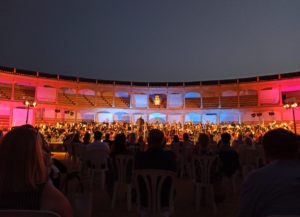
[275,188]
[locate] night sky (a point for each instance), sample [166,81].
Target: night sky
[151,40]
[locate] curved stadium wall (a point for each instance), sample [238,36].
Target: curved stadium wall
[71,99]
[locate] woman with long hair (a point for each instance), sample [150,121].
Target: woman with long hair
[24,180]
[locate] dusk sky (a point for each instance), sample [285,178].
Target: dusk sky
[154,40]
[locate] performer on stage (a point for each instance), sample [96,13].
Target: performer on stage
[140,123]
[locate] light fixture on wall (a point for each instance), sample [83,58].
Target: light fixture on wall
[28,104]
[156,100]
[259,114]
[292,106]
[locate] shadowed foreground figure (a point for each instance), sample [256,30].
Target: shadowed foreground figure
[24,180]
[275,188]
[156,158]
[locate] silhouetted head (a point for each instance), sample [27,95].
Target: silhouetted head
[22,160]
[280,144]
[86,138]
[225,137]
[203,140]
[175,138]
[97,135]
[185,136]
[155,138]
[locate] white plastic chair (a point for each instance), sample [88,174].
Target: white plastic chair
[204,164]
[153,182]
[121,167]
[99,164]
[27,213]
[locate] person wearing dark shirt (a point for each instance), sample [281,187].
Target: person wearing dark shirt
[229,157]
[274,190]
[156,158]
[108,141]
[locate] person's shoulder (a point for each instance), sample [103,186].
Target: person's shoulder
[55,201]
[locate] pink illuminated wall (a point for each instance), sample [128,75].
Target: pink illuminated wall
[19,116]
[46,94]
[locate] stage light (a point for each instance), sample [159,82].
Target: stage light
[259,114]
[253,115]
[271,113]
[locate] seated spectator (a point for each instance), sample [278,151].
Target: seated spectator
[156,158]
[238,143]
[97,144]
[202,149]
[86,138]
[275,188]
[132,145]
[24,176]
[228,156]
[141,143]
[107,140]
[119,148]
[176,145]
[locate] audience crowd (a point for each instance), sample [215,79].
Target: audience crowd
[265,156]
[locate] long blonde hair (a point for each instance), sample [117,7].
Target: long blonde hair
[22,166]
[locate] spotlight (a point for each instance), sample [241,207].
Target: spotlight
[57,110]
[253,115]
[271,113]
[259,114]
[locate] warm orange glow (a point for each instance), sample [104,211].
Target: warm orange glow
[156,100]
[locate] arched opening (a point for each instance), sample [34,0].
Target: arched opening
[158,117]
[193,117]
[121,116]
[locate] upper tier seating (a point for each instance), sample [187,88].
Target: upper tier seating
[210,102]
[24,92]
[5,91]
[248,100]
[229,101]
[122,102]
[65,99]
[104,101]
[4,121]
[192,102]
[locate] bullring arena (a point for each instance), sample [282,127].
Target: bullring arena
[58,98]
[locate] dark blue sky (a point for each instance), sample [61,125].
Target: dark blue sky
[156,40]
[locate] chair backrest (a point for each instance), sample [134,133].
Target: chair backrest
[153,181]
[203,166]
[122,167]
[27,213]
[97,158]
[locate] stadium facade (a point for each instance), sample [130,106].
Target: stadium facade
[71,99]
